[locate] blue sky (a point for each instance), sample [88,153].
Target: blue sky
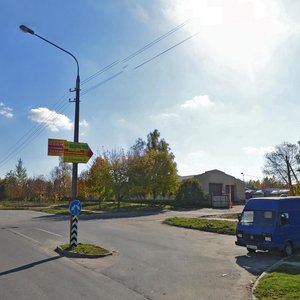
[225,91]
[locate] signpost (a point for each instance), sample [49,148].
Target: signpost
[72,152]
[74,208]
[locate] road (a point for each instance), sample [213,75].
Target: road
[150,261]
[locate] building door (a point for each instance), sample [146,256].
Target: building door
[215,189]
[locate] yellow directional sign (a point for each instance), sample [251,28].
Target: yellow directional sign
[77,152]
[72,152]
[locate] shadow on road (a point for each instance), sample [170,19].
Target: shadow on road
[257,263]
[28,266]
[103,215]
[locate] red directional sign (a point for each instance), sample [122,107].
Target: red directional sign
[56,147]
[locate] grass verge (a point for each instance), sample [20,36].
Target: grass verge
[87,206]
[217,226]
[85,249]
[282,283]
[51,210]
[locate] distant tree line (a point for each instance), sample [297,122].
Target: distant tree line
[147,171]
[18,186]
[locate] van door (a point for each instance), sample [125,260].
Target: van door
[288,229]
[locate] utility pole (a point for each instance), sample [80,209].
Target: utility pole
[76,121]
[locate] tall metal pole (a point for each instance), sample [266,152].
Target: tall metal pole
[76,138]
[76,121]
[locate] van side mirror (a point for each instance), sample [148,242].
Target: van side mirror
[239,217]
[284,219]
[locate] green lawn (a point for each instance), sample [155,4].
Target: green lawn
[85,249]
[13,205]
[217,226]
[63,207]
[282,283]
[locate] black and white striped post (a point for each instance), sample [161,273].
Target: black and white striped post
[75,208]
[74,231]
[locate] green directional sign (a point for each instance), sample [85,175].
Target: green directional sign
[77,152]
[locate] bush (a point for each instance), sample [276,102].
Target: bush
[190,194]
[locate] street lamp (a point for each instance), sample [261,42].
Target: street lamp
[243,176]
[76,121]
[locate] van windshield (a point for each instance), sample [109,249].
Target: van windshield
[260,218]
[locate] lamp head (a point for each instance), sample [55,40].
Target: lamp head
[26,29]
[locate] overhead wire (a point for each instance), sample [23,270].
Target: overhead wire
[101,83]
[36,130]
[155,41]
[140,65]
[99,72]
[33,135]
[134,54]
[167,50]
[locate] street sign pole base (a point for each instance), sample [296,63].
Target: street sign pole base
[73,231]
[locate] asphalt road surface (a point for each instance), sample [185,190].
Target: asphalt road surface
[150,261]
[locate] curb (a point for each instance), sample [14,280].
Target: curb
[70,254]
[263,274]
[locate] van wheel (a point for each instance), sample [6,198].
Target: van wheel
[288,249]
[251,250]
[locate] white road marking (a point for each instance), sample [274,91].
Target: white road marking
[48,232]
[24,236]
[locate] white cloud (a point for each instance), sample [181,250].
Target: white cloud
[51,119]
[198,102]
[257,150]
[5,111]
[84,123]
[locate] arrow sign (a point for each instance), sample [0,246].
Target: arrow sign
[77,152]
[71,151]
[75,207]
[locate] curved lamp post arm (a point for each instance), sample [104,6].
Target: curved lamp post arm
[28,30]
[76,121]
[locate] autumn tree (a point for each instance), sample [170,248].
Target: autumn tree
[61,179]
[99,181]
[15,181]
[161,173]
[118,170]
[161,167]
[282,164]
[83,190]
[138,179]
[37,188]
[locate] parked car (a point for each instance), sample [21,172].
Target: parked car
[270,224]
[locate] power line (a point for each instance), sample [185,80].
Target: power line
[155,41]
[140,65]
[34,131]
[101,83]
[134,54]
[37,129]
[99,72]
[167,50]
